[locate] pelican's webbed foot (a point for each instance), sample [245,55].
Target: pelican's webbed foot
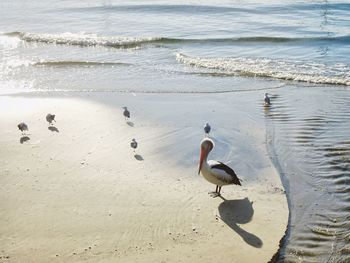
[214,194]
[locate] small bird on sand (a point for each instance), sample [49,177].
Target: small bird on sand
[50,118]
[207,129]
[213,171]
[22,127]
[126,113]
[267,100]
[133,144]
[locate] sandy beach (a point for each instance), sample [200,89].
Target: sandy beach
[78,193]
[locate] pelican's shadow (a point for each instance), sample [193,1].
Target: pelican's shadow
[53,129]
[24,139]
[138,157]
[234,212]
[130,123]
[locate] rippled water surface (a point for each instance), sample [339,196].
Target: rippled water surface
[299,51]
[311,146]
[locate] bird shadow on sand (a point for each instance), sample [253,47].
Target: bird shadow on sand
[138,157]
[24,139]
[53,129]
[130,123]
[234,212]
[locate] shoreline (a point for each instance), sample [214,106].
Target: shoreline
[179,219]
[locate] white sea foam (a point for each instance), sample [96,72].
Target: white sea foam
[310,72]
[8,43]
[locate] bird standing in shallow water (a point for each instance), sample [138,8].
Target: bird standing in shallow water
[50,118]
[267,100]
[22,127]
[133,144]
[207,129]
[126,113]
[213,171]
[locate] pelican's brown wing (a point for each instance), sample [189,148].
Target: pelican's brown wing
[232,175]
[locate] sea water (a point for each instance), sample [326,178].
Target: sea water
[296,50]
[215,45]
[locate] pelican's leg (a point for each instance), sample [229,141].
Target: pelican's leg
[216,193]
[219,190]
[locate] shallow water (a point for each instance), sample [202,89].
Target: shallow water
[309,142]
[297,50]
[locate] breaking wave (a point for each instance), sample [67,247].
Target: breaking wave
[86,40]
[311,72]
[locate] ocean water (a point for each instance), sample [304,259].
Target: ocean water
[297,50]
[101,45]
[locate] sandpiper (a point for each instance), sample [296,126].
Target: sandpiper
[126,113]
[133,144]
[267,100]
[22,127]
[50,118]
[207,129]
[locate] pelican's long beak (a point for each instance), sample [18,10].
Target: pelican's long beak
[201,159]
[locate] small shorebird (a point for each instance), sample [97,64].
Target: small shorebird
[267,100]
[133,144]
[213,171]
[22,127]
[207,129]
[126,113]
[50,118]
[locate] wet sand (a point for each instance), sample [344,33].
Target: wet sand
[76,191]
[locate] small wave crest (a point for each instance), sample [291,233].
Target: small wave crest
[84,40]
[11,64]
[78,63]
[337,74]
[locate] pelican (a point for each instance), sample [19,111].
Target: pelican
[133,144]
[50,118]
[267,100]
[126,113]
[22,127]
[207,129]
[213,171]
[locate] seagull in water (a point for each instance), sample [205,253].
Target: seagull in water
[50,118]
[133,144]
[22,127]
[213,171]
[207,129]
[126,113]
[267,100]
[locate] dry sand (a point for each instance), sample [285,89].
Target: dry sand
[77,193]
